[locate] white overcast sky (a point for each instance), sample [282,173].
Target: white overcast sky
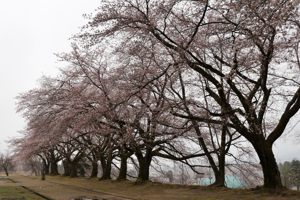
[31,32]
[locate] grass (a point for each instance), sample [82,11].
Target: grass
[9,190]
[156,191]
[148,191]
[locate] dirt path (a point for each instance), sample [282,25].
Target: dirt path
[58,191]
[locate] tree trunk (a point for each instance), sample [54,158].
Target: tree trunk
[34,171]
[73,170]
[6,171]
[67,170]
[94,172]
[219,180]
[46,168]
[102,164]
[43,170]
[106,175]
[220,172]
[272,179]
[123,168]
[53,168]
[144,167]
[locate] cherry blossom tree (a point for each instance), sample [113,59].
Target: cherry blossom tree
[147,78]
[247,47]
[6,163]
[128,110]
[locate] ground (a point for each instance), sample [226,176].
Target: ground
[64,188]
[11,190]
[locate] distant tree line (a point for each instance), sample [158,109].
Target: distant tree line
[290,173]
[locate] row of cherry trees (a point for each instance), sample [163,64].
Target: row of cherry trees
[98,112]
[171,79]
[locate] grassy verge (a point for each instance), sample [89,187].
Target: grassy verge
[17,193]
[156,191]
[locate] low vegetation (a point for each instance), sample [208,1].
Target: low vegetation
[147,191]
[10,190]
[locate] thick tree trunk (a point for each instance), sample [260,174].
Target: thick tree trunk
[220,170]
[94,172]
[123,168]
[144,168]
[219,180]
[102,164]
[272,179]
[106,175]
[144,171]
[67,170]
[53,168]
[43,170]
[220,173]
[73,170]
[46,168]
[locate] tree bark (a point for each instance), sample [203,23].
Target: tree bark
[67,170]
[73,170]
[144,166]
[46,168]
[53,168]
[6,171]
[123,168]
[94,172]
[43,170]
[263,148]
[220,172]
[144,170]
[106,175]
[219,179]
